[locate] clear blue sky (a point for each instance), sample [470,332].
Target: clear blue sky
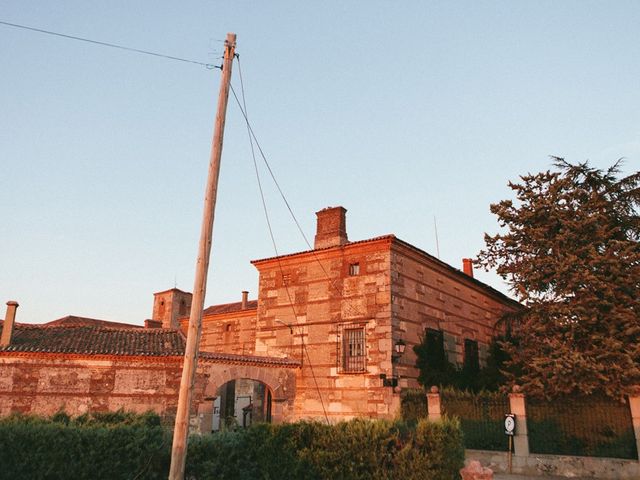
[398,111]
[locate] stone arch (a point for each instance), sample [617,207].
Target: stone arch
[279,380]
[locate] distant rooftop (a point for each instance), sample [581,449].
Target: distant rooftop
[72,320]
[229,307]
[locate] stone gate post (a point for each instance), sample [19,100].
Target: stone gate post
[634,405]
[521,438]
[434,411]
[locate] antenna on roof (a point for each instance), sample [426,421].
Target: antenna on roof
[435,228]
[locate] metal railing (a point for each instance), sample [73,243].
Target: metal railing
[594,427]
[481,417]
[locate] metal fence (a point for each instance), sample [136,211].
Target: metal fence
[481,418]
[594,427]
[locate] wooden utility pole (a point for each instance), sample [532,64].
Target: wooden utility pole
[181,429]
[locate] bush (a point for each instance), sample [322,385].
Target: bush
[128,446]
[435,452]
[413,404]
[92,447]
[355,450]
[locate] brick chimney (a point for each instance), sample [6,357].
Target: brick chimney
[332,228]
[467,266]
[245,298]
[9,323]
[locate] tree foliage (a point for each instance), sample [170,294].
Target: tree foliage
[570,253]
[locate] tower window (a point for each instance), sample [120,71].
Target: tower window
[354,269]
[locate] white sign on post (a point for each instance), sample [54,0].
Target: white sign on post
[509,424]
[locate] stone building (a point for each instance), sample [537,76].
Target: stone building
[329,336]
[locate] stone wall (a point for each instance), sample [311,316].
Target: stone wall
[428,294]
[559,465]
[229,333]
[329,296]
[44,384]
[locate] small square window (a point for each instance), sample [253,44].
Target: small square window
[354,269]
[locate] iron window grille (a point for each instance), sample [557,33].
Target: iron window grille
[353,351]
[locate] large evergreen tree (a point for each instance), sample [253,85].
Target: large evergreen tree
[570,252]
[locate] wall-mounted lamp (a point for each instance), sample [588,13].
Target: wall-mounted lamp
[398,350]
[400,346]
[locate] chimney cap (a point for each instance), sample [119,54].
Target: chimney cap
[13,303]
[325,209]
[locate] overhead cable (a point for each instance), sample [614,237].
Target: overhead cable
[243,109]
[112,45]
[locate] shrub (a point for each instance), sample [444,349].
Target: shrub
[434,452]
[355,450]
[413,404]
[122,445]
[61,448]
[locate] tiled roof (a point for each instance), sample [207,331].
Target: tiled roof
[96,340]
[72,320]
[249,359]
[229,307]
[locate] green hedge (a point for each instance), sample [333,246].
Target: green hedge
[100,446]
[413,404]
[137,447]
[354,450]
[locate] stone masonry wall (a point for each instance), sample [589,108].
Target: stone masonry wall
[229,333]
[426,294]
[44,384]
[326,298]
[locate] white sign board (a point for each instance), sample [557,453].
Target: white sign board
[509,424]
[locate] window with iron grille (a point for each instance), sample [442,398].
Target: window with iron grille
[354,269]
[353,350]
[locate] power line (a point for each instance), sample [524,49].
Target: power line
[210,66]
[286,202]
[273,240]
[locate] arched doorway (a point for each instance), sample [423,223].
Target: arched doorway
[240,402]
